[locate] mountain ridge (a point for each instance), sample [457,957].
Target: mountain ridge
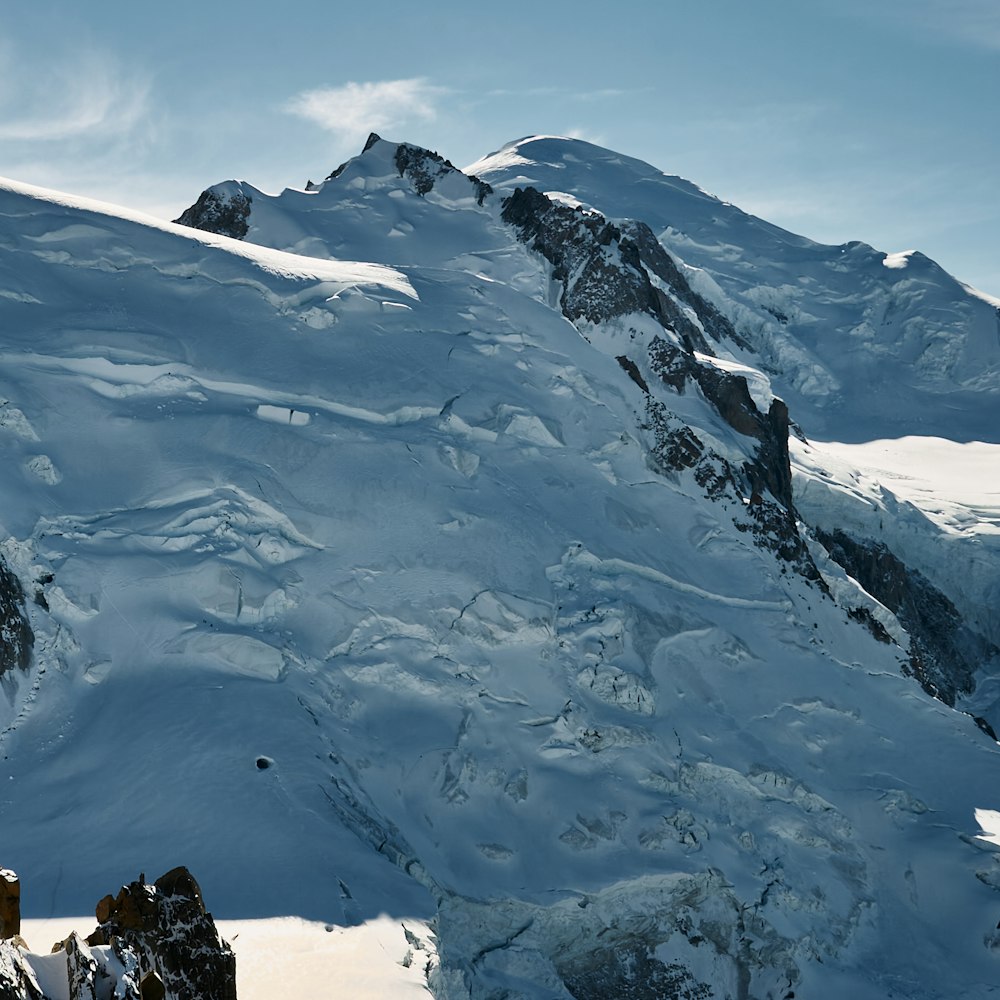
[495,551]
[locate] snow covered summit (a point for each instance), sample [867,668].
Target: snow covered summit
[465,549]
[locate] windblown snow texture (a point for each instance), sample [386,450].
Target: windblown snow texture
[462,547]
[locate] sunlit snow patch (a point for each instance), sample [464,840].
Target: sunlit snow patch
[282,415]
[989,820]
[287,956]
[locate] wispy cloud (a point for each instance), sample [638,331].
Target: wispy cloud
[87,93]
[355,109]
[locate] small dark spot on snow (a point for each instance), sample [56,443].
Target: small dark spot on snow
[263,763]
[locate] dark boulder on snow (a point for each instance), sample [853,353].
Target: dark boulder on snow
[220,211]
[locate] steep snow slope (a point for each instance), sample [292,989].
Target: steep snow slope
[933,366]
[937,502]
[366,589]
[850,335]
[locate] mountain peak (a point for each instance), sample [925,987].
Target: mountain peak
[494,563]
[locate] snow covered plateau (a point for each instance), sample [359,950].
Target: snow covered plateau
[543,580]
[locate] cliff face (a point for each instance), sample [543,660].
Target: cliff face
[609,278]
[944,653]
[16,637]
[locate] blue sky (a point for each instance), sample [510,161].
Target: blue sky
[875,120]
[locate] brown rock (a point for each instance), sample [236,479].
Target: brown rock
[151,987]
[164,932]
[10,905]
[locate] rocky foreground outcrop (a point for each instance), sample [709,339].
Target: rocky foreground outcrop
[153,942]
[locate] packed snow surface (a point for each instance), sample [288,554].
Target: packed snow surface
[955,483]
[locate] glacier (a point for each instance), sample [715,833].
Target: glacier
[492,523]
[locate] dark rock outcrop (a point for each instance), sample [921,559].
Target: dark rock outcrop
[165,929]
[944,652]
[422,168]
[605,271]
[657,261]
[86,976]
[729,394]
[222,212]
[16,638]
[600,270]
[632,370]
[10,905]
[17,981]
[677,448]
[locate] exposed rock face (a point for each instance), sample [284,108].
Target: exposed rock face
[165,929]
[423,167]
[600,270]
[944,652]
[16,637]
[731,397]
[17,981]
[606,269]
[219,211]
[676,447]
[657,261]
[607,272]
[154,942]
[10,905]
[84,973]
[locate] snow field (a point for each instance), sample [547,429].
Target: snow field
[505,676]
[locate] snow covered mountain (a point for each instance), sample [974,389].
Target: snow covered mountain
[431,543]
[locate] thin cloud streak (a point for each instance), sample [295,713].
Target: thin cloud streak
[89,94]
[355,109]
